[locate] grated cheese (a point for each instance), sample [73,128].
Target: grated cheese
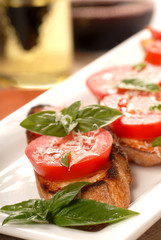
[86,145]
[157,151]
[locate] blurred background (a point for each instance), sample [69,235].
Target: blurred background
[102,24]
[44,41]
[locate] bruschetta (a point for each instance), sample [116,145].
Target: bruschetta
[110,183]
[135,91]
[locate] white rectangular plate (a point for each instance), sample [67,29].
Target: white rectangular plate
[17,181]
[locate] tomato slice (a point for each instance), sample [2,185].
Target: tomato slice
[138,121]
[89,152]
[153,53]
[155,33]
[103,83]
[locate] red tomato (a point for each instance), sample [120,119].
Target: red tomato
[89,152]
[103,83]
[153,53]
[138,121]
[155,33]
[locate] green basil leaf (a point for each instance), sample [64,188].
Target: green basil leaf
[95,116]
[70,115]
[49,123]
[156,107]
[23,206]
[26,217]
[157,142]
[72,110]
[65,196]
[138,84]
[40,210]
[64,159]
[140,66]
[33,210]
[89,212]
[67,123]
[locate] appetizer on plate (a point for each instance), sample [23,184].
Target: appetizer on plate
[92,156]
[135,91]
[81,171]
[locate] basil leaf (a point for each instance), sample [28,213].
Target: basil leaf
[67,123]
[140,66]
[95,116]
[157,142]
[70,115]
[156,107]
[89,212]
[40,210]
[49,123]
[138,84]
[72,110]
[33,210]
[26,217]
[65,196]
[64,159]
[25,205]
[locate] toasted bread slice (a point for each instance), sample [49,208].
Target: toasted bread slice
[110,184]
[141,152]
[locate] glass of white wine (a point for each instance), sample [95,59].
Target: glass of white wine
[36,45]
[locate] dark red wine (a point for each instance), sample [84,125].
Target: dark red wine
[101,25]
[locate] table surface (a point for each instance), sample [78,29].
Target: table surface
[20,97]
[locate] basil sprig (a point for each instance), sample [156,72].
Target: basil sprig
[139,66]
[138,84]
[156,107]
[157,142]
[60,124]
[64,210]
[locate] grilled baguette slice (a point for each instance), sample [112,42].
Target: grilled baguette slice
[141,151]
[110,184]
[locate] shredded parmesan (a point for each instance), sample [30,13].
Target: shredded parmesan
[85,144]
[145,145]
[63,118]
[157,151]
